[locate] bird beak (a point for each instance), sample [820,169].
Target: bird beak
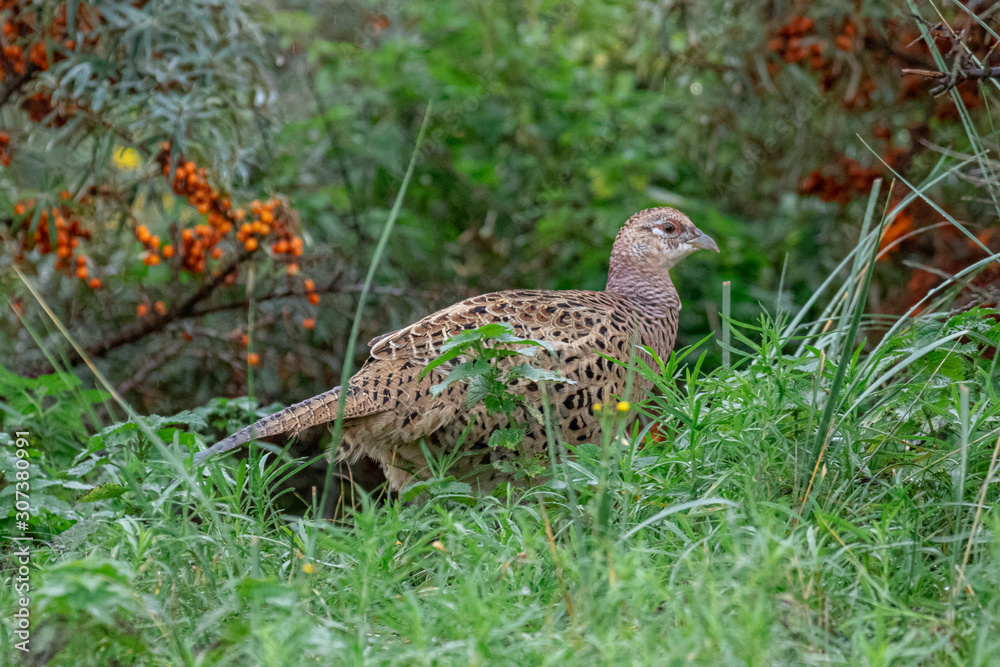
[704,242]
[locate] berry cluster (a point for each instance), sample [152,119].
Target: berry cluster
[267,219]
[797,42]
[25,47]
[68,233]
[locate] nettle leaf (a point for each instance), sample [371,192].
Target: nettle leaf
[494,330]
[529,372]
[443,359]
[480,386]
[500,401]
[508,438]
[464,371]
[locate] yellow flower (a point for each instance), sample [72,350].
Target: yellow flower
[126,159]
[623,406]
[308,568]
[598,407]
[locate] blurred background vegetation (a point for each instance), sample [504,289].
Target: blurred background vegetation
[552,121]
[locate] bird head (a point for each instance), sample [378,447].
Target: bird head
[658,238]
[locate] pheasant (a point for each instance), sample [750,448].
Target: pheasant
[390,409]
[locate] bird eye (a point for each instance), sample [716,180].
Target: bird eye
[668,227]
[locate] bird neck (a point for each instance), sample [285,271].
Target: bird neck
[653,289]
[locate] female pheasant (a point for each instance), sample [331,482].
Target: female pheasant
[390,409]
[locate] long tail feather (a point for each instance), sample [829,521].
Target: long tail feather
[310,412]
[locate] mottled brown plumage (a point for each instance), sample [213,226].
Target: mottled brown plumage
[389,410]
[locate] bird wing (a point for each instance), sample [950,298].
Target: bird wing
[564,319]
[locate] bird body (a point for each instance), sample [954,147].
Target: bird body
[390,409]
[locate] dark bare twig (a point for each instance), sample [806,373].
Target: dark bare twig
[332,288]
[948,80]
[156,323]
[963,66]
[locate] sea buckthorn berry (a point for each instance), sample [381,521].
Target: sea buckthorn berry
[292,270]
[251,244]
[310,285]
[168,251]
[160,307]
[308,323]
[253,358]
[313,298]
[81,272]
[216,253]
[187,235]
[141,310]
[94,283]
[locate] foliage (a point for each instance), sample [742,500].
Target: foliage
[488,374]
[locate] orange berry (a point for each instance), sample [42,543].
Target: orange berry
[309,323]
[280,248]
[251,244]
[168,251]
[160,307]
[187,235]
[142,232]
[141,310]
[313,298]
[216,253]
[266,216]
[19,209]
[154,241]
[239,214]
[244,340]
[292,270]
[189,166]
[64,251]
[94,283]
[310,285]
[253,358]
[81,272]
[81,260]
